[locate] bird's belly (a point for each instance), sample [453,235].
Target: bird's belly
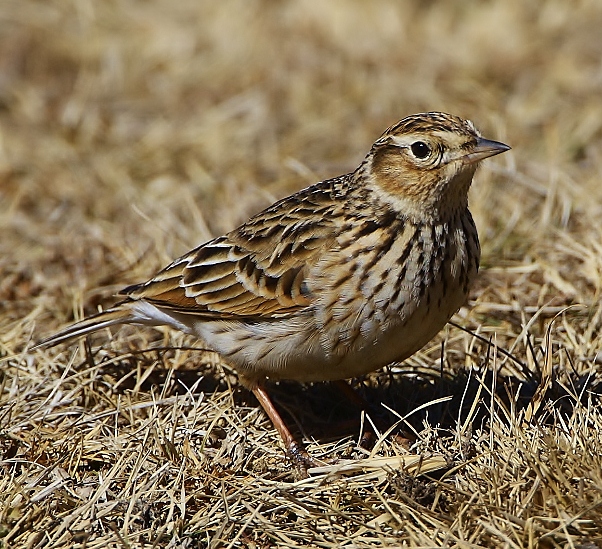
[395,342]
[292,349]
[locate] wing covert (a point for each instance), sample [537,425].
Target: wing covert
[257,271]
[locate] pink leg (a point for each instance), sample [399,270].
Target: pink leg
[294,449]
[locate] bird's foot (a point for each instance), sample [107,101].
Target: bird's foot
[300,458]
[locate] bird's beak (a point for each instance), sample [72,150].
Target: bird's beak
[484,149]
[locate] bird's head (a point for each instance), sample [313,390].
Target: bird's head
[424,164]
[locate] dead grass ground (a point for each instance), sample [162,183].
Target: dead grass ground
[131,131]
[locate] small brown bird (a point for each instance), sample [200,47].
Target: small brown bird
[337,280]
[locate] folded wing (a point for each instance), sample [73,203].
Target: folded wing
[258,271]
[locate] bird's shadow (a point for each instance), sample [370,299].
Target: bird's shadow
[402,396]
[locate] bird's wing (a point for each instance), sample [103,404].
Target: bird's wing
[257,271]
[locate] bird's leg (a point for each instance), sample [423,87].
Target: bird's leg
[347,391]
[294,449]
[368,436]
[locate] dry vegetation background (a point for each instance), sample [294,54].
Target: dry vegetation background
[131,131]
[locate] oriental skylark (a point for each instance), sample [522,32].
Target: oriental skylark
[336,280]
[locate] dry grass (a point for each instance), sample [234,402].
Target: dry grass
[131,131]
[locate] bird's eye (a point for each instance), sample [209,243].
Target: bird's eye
[420,149]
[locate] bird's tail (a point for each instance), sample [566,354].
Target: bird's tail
[120,314]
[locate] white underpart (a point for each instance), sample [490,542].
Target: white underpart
[147,313]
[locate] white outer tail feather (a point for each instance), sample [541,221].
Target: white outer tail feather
[110,317]
[128,312]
